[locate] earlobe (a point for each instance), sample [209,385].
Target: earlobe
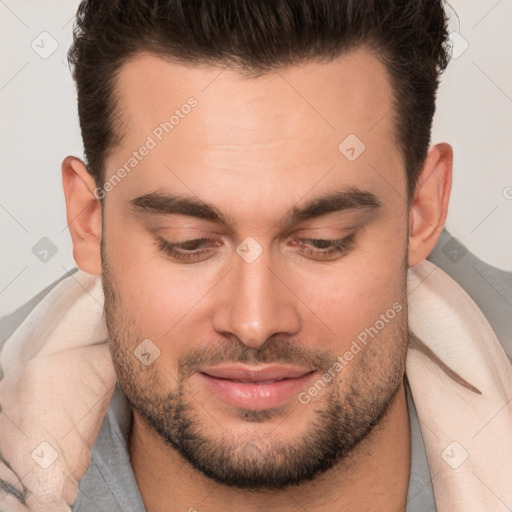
[429,206]
[83,214]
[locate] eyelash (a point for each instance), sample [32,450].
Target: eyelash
[173,249]
[339,246]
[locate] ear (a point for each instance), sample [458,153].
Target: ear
[429,206]
[83,214]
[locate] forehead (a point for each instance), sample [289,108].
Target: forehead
[293,119]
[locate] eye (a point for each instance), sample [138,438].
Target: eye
[187,250]
[195,250]
[326,249]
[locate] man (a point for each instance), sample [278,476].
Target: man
[258,181]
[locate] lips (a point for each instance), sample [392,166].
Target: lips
[254,387]
[257,374]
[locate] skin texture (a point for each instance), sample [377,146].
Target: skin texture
[255,149]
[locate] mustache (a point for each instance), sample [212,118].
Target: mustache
[274,350]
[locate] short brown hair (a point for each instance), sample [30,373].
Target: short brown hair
[255,37]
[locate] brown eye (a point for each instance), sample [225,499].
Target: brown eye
[192,245]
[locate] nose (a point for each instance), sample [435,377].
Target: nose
[254,303]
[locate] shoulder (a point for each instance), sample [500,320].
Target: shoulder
[488,286]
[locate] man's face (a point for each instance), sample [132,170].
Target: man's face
[245,325]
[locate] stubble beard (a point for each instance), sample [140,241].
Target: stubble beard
[345,412]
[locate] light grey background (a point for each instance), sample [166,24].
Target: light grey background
[39,127]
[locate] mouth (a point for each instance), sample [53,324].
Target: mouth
[255,387]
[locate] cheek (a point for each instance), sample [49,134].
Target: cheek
[156,293]
[352,295]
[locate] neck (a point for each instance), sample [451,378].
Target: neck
[374,476]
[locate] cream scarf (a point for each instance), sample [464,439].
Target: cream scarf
[59,378]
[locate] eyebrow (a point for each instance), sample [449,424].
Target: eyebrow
[351,198]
